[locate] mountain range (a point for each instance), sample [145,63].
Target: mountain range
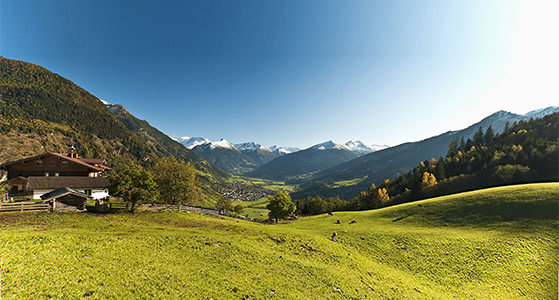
[245,158]
[388,163]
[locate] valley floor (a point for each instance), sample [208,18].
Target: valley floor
[498,243]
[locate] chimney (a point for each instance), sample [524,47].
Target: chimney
[72,154]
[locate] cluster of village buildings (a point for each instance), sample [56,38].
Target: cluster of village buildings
[241,192]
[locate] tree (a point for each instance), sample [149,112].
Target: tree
[177,181]
[3,190]
[478,137]
[489,135]
[382,196]
[134,184]
[452,148]
[238,209]
[428,182]
[280,205]
[224,205]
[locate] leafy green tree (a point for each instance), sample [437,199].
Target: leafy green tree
[224,205]
[177,181]
[280,205]
[134,184]
[238,209]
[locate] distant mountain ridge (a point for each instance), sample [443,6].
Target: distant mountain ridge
[313,159]
[388,163]
[243,158]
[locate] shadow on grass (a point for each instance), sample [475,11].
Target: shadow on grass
[403,217]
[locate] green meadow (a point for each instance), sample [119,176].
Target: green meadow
[499,243]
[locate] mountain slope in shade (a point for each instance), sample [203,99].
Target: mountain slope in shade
[256,152]
[224,156]
[234,159]
[390,162]
[313,159]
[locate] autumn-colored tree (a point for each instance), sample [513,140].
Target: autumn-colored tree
[382,196]
[428,182]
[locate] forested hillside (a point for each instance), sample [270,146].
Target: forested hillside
[526,152]
[348,179]
[40,107]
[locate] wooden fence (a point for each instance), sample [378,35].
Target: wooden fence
[203,211]
[112,206]
[23,206]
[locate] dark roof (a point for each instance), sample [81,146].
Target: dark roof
[61,192]
[54,182]
[96,164]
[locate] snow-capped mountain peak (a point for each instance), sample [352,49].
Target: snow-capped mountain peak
[360,148]
[191,142]
[250,146]
[221,144]
[329,145]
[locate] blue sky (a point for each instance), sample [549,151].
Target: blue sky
[297,73]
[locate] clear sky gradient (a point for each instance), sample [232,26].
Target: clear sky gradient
[297,73]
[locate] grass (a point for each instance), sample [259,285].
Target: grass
[498,243]
[351,182]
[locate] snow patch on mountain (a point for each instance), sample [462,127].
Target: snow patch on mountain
[191,142]
[284,150]
[361,148]
[250,146]
[221,144]
[540,113]
[330,145]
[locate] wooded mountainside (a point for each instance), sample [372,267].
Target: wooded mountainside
[37,105]
[525,152]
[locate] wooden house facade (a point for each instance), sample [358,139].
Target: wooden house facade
[35,176]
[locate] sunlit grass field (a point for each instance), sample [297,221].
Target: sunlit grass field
[498,243]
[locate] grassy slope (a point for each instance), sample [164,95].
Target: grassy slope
[499,243]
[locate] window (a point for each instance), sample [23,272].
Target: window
[56,174]
[38,162]
[52,163]
[65,163]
